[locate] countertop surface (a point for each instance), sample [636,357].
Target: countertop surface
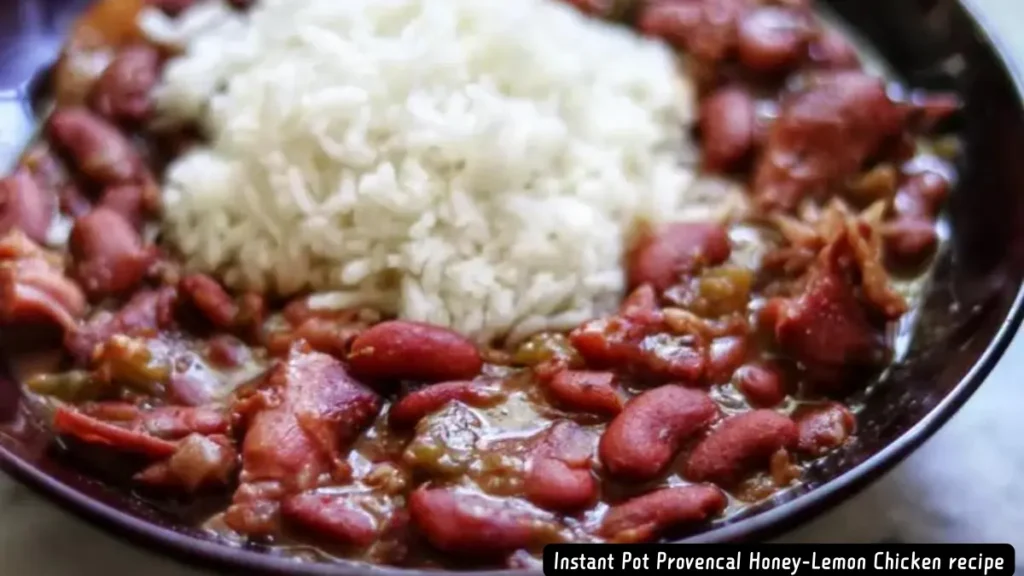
[961,486]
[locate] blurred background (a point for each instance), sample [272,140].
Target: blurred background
[963,485]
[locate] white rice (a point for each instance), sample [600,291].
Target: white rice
[478,164]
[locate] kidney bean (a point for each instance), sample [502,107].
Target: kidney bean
[50,175]
[909,240]
[772,39]
[641,441]
[580,391]
[727,119]
[762,383]
[334,516]
[95,146]
[476,525]
[26,205]
[560,476]
[677,249]
[823,428]
[725,356]
[226,351]
[401,350]
[210,298]
[739,443]
[122,92]
[644,517]
[554,485]
[252,311]
[109,256]
[408,411]
[921,196]
[704,28]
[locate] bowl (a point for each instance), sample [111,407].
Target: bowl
[971,309]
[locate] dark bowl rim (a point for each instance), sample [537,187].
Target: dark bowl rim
[185,548]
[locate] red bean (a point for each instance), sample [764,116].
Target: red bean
[252,310]
[823,428]
[641,441]
[644,517]
[416,405]
[921,195]
[676,250]
[725,356]
[25,205]
[401,350]
[210,298]
[334,516]
[226,351]
[95,146]
[740,443]
[909,240]
[473,524]
[727,126]
[109,256]
[122,92]
[706,29]
[671,21]
[773,39]
[554,485]
[579,391]
[560,476]
[762,383]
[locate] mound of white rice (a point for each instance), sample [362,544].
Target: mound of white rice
[478,164]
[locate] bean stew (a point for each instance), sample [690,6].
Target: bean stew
[348,434]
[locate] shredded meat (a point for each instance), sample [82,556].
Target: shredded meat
[310,411]
[33,287]
[824,134]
